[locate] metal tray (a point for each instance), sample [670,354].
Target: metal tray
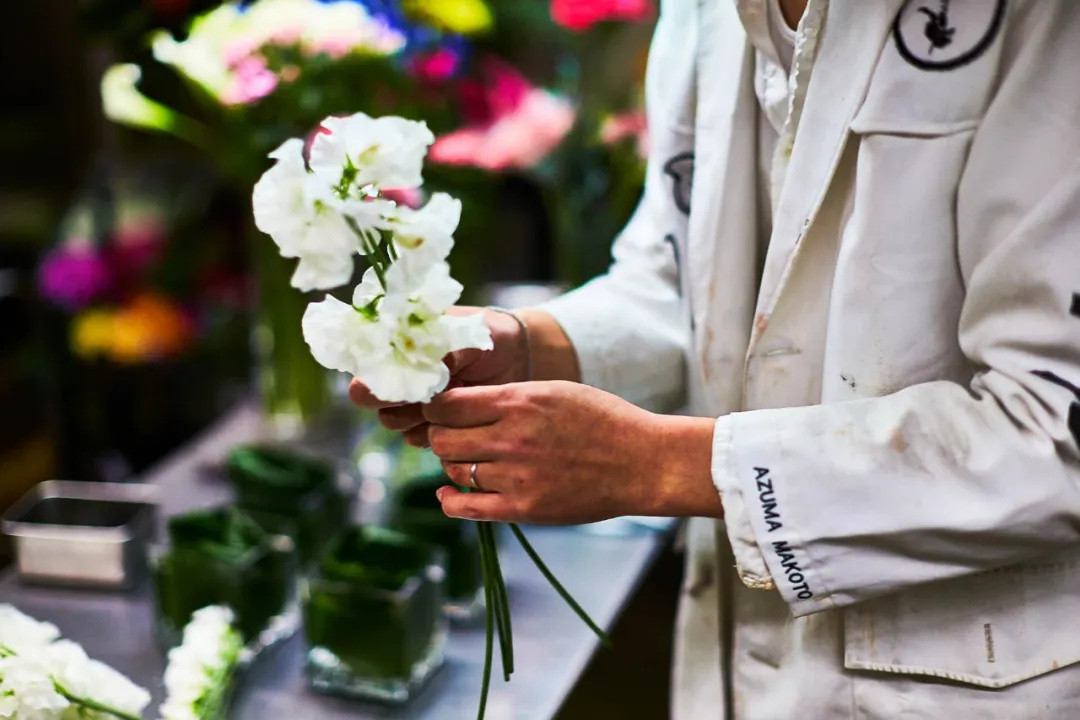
[83,533]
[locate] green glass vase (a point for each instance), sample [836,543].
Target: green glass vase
[223,557]
[415,511]
[290,493]
[295,390]
[372,616]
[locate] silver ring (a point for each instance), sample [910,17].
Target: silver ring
[472,477]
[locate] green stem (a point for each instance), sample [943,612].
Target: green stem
[557,585]
[370,251]
[217,699]
[90,704]
[493,579]
[489,645]
[506,633]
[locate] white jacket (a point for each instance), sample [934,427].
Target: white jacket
[899,397]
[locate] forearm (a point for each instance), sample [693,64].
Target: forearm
[682,484]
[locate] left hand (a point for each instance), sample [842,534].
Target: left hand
[565,453]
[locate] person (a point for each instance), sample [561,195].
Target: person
[855,270]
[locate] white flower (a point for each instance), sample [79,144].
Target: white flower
[35,665]
[341,337]
[123,103]
[429,231]
[397,350]
[294,208]
[202,57]
[415,371]
[359,151]
[20,632]
[203,661]
[84,677]
[417,291]
[343,25]
[27,692]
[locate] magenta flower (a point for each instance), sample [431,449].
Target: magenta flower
[435,67]
[74,277]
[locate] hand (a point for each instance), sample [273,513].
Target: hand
[505,363]
[565,453]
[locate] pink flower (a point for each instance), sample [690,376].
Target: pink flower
[73,276]
[617,128]
[409,197]
[580,15]
[252,81]
[435,67]
[519,139]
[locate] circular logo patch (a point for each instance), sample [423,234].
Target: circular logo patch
[946,34]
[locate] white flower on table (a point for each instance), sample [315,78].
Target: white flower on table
[202,665]
[85,677]
[358,152]
[20,632]
[45,678]
[27,692]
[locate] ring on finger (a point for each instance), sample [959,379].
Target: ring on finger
[472,478]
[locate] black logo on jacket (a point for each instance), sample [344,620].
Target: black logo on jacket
[681,170]
[947,34]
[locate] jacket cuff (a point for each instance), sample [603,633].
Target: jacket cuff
[767,546]
[749,560]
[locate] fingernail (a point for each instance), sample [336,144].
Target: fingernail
[439,493]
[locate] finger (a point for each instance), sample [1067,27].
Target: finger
[467,406]
[476,444]
[490,476]
[402,417]
[461,359]
[417,436]
[476,506]
[362,396]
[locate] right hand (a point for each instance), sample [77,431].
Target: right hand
[505,363]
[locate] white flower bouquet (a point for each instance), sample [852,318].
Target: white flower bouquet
[326,211]
[43,677]
[337,203]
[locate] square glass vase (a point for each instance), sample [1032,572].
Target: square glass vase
[373,616]
[290,493]
[223,557]
[415,511]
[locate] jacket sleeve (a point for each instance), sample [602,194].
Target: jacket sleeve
[628,326]
[856,499]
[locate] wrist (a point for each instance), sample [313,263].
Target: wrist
[509,328]
[681,482]
[553,355]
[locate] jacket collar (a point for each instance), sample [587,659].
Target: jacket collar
[852,35]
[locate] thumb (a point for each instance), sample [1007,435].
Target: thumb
[461,359]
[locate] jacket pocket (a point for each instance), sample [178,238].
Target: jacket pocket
[921,89]
[991,630]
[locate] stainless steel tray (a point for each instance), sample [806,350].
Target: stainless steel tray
[83,533]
